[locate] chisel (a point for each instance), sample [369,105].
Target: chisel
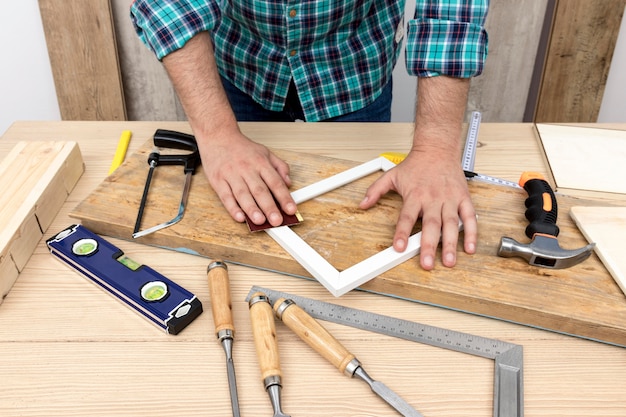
[221,306]
[264,333]
[317,337]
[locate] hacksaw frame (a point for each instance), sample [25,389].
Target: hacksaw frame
[339,283]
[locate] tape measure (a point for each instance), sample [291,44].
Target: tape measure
[508,357]
[469,154]
[471,140]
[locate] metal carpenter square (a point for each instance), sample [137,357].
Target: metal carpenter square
[508,357]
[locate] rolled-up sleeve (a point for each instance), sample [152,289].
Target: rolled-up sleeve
[447,37]
[165,26]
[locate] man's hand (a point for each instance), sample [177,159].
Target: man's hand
[436,191]
[430,180]
[245,175]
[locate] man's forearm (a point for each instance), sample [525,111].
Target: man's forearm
[441,104]
[195,77]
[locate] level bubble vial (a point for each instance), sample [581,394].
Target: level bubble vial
[154,291]
[84,247]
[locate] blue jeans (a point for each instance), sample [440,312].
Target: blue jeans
[248,110]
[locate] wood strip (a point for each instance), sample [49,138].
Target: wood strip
[83,55]
[579,57]
[36,179]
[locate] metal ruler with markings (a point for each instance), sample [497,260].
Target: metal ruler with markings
[471,141]
[469,154]
[507,357]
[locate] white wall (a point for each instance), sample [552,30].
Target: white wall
[26,84]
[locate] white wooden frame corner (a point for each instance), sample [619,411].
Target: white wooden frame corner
[339,283]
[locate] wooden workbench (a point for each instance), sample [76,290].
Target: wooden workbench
[68,349]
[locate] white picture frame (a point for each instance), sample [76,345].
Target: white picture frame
[339,283]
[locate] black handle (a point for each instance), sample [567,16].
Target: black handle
[178,140]
[541,205]
[175,140]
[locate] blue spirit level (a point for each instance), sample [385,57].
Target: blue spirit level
[162,301]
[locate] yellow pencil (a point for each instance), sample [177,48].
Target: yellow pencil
[120,152]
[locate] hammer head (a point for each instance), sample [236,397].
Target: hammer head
[544,251]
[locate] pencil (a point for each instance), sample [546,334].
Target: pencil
[120,152]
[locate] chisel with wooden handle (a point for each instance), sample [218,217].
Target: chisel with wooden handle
[221,306]
[264,332]
[317,337]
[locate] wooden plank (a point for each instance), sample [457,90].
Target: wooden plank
[584,33]
[584,158]
[606,226]
[83,55]
[36,179]
[583,300]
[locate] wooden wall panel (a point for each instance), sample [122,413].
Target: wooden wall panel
[578,60]
[83,56]
[147,88]
[514,28]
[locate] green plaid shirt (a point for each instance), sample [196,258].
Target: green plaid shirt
[339,53]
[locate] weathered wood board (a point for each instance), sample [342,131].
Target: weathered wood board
[35,180]
[583,300]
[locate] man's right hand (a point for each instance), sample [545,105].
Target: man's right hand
[248,179]
[246,176]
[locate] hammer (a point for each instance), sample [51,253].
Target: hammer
[541,211]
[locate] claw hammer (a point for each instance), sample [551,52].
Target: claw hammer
[541,211]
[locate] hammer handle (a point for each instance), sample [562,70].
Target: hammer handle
[541,205]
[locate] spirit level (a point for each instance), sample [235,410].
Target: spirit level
[160,300]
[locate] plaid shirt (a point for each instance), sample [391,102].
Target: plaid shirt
[339,53]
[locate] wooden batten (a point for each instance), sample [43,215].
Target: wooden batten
[36,179]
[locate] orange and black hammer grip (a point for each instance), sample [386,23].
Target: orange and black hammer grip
[541,205]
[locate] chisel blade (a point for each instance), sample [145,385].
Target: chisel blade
[394,400]
[232,386]
[384,392]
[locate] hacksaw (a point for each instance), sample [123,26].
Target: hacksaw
[508,389]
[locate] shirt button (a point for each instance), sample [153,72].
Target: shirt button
[293,13]
[293,52]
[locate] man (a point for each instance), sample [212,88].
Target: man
[320,60]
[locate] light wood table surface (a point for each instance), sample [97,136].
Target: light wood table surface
[68,349]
